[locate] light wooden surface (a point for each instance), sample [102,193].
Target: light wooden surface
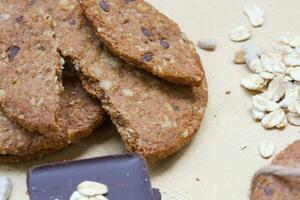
[224,171]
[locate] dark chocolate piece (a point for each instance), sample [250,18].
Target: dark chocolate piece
[125,175]
[156,194]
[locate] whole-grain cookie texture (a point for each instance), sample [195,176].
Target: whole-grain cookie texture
[78,116]
[154,117]
[140,34]
[30,73]
[285,185]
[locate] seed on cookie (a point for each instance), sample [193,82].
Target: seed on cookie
[133,46]
[19,19]
[146,32]
[164,43]
[12,52]
[104,5]
[148,57]
[4,16]
[2,94]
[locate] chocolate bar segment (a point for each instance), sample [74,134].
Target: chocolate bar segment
[125,175]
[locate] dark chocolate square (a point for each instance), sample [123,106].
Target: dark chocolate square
[125,175]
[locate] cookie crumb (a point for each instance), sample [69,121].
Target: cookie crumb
[228,92]
[243,147]
[239,57]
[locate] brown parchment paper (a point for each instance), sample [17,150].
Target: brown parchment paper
[213,166]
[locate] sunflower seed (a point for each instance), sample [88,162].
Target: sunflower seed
[207,44]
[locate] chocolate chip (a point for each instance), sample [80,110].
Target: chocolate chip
[148,57]
[129,1]
[146,32]
[12,52]
[73,22]
[268,191]
[31,2]
[104,5]
[19,19]
[164,43]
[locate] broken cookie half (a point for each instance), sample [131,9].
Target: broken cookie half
[30,73]
[138,33]
[79,114]
[155,118]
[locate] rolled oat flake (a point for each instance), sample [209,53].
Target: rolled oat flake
[266,149]
[5,187]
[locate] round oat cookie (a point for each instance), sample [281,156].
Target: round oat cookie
[155,118]
[30,73]
[140,34]
[79,115]
[281,180]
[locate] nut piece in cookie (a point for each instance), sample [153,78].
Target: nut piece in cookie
[30,73]
[140,34]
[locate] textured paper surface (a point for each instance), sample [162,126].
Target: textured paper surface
[224,171]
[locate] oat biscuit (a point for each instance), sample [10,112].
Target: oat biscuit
[30,73]
[282,182]
[78,116]
[155,118]
[140,34]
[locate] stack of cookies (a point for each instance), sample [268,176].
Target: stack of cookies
[67,64]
